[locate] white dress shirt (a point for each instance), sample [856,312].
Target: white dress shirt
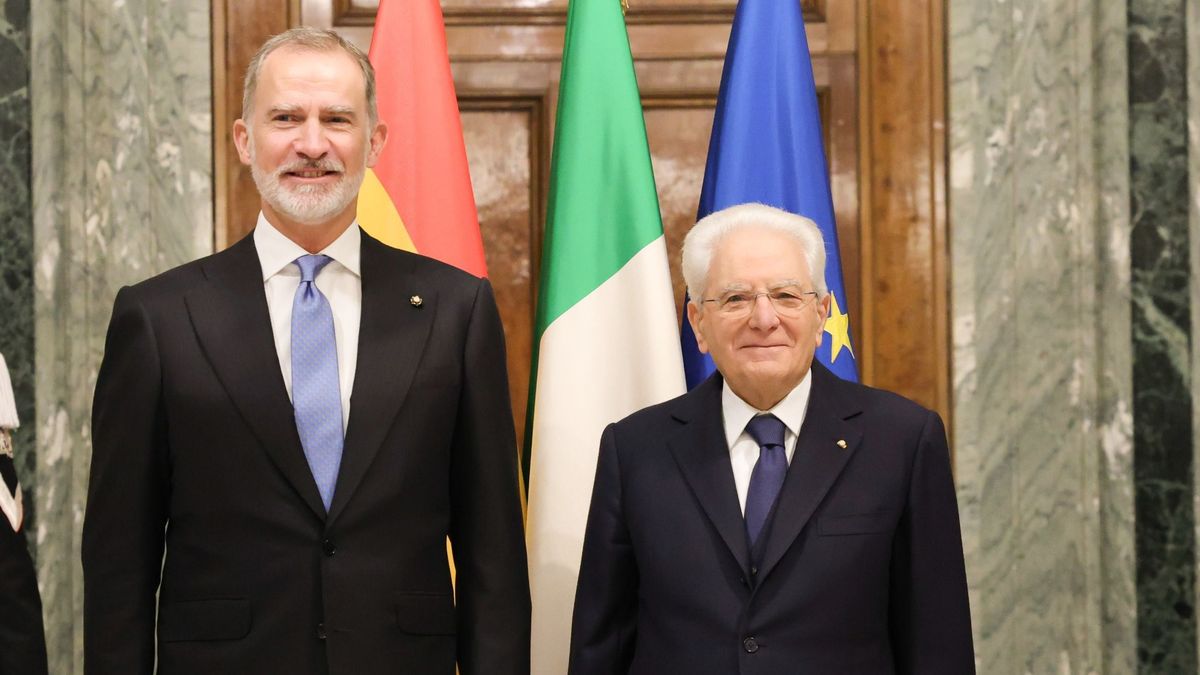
[743,449]
[341,283]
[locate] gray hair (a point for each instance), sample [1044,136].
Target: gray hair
[707,233]
[311,39]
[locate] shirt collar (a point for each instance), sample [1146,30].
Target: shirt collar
[276,252]
[790,410]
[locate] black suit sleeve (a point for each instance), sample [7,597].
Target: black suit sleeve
[22,637]
[126,513]
[486,530]
[930,613]
[604,626]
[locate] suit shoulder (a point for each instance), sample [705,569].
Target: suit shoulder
[428,268]
[173,282]
[458,288]
[651,418]
[888,409]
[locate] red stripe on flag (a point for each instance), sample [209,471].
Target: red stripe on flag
[423,167]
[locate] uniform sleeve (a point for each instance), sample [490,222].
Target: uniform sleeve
[22,636]
[126,514]
[930,614]
[604,627]
[486,529]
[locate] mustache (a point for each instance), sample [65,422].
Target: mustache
[311,165]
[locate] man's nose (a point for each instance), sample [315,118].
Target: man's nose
[311,141]
[762,313]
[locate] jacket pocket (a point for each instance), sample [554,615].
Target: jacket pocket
[425,613]
[223,619]
[860,523]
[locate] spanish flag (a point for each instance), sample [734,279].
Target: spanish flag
[418,196]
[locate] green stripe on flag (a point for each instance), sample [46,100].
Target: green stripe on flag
[603,204]
[603,207]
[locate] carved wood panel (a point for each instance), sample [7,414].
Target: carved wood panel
[239,28]
[506,152]
[486,12]
[881,103]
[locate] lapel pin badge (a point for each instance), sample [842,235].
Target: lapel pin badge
[415,301]
[841,443]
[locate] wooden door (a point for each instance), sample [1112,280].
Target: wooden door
[505,55]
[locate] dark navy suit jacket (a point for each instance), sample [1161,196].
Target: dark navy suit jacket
[200,491]
[861,570]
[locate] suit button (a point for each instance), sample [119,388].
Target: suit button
[321,631]
[328,547]
[750,645]
[753,571]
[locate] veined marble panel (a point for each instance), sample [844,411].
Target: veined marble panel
[1193,87]
[16,232]
[1041,332]
[1162,322]
[122,162]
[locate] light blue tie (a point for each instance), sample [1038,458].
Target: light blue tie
[316,394]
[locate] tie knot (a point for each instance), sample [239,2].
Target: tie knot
[766,430]
[311,265]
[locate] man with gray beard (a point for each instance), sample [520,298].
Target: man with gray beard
[286,433]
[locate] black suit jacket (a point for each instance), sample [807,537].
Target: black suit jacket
[861,570]
[195,452]
[22,638]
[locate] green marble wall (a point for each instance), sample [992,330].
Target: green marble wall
[1162,374]
[1043,428]
[1074,222]
[122,176]
[16,233]
[1192,40]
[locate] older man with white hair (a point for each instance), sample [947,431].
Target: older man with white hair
[775,519]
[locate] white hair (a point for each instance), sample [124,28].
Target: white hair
[707,233]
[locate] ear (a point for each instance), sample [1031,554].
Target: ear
[241,139]
[696,319]
[377,140]
[823,315]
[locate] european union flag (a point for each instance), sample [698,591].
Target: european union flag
[767,147]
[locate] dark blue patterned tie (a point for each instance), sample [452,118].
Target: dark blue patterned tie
[769,472]
[316,391]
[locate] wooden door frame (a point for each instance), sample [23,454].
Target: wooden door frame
[902,327]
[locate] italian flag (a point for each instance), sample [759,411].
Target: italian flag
[418,196]
[607,337]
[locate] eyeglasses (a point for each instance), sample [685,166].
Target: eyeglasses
[788,301]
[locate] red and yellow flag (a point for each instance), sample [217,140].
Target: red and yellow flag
[418,197]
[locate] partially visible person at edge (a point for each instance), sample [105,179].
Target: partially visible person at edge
[286,432]
[22,635]
[776,519]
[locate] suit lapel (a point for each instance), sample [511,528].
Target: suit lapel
[703,457]
[816,463]
[392,336]
[233,325]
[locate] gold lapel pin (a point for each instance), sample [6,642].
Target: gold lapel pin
[841,443]
[415,301]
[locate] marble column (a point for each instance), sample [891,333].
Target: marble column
[16,232]
[1162,374]
[1193,87]
[1043,427]
[122,189]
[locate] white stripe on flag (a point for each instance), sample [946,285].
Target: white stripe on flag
[613,353]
